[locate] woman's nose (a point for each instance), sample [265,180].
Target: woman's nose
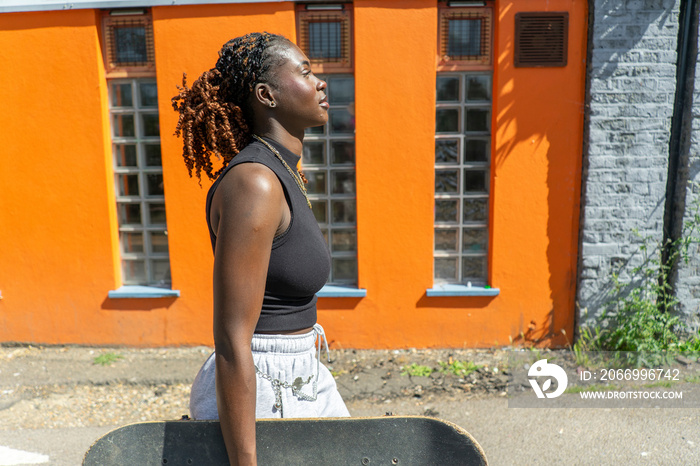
[321,84]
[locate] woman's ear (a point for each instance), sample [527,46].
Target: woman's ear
[263,94]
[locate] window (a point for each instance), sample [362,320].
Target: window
[143,236]
[325,40]
[463,151]
[329,165]
[138,171]
[328,160]
[324,33]
[465,37]
[128,40]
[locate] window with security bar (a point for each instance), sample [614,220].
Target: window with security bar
[463,144]
[143,234]
[328,162]
[465,36]
[324,33]
[128,42]
[462,177]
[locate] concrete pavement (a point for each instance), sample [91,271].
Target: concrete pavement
[508,436]
[566,436]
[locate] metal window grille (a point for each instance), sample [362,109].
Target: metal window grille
[462,177]
[326,38]
[328,162]
[541,39]
[129,43]
[465,37]
[143,234]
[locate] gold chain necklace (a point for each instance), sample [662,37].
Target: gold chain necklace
[296,177]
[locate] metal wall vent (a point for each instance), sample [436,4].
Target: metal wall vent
[541,39]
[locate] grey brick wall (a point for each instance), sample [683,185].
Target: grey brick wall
[632,86]
[688,279]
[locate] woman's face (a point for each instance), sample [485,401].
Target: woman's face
[300,97]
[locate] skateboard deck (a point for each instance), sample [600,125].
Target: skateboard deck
[389,440]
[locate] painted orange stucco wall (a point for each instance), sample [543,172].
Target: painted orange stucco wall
[55,232]
[58,227]
[187,40]
[59,236]
[538,116]
[538,121]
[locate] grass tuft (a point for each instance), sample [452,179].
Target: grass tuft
[107,359]
[416,370]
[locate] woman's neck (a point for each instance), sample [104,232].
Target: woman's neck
[277,133]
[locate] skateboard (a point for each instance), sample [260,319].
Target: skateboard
[388,440]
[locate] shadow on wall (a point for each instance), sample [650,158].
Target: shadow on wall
[621,77]
[537,113]
[539,124]
[613,37]
[687,272]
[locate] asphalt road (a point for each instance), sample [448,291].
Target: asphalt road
[38,423]
[509,436]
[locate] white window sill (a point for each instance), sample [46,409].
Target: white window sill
[334,291]
[143,292]
[461,290]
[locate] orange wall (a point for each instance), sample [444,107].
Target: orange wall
[187,40]
[538,113]
[535,187]
[58,234]
[56,237]
[395,108]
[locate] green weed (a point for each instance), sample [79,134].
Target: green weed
[107,359]
[641,317]
[458,368]
[664,383]
[416,370]
[590,388]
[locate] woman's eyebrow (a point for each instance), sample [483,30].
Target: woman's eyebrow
[304,63]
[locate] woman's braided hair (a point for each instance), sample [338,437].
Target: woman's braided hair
[215,113]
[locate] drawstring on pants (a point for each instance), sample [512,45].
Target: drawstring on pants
[318,330]
[299,383]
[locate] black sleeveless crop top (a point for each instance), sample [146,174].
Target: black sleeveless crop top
[300,259]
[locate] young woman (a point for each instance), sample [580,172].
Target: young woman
[270,257]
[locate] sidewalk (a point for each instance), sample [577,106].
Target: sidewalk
[55,401]
[80,386]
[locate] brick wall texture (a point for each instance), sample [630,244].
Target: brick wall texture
[688,279]
[632,86]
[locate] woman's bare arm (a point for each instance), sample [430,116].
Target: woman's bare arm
[247,213]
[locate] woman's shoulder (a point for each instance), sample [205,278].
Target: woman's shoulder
[244,188]
[250,161]
[251,175]
[253,152]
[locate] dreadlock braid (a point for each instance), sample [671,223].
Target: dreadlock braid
[215,115]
